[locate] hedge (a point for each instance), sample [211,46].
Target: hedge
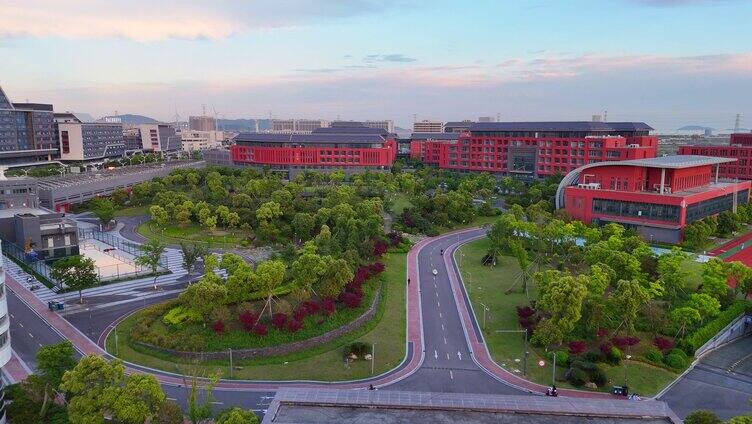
[695,340]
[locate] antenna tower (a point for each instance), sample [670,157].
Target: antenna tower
[737,123]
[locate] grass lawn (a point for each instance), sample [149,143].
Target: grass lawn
[191,233]
[323,362]
[133,211]
[400,202]
[488,285]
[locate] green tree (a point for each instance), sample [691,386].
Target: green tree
[150,257]
[201,409]
[562,300]
[702,417]
[93,385]
[139,399]
[191,254]
[52,363]
[303,224]
[169,413]
[103,209]
[337,275]
[269,211]
[627,300]
[159,215]
[706,305]
[237,416]
[672,274]
[715,279]
[684,318]
[268,277]
[728,223]
[75,272]
[204,296]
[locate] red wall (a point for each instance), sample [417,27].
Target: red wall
[741,169]
[741,139]
[315,156]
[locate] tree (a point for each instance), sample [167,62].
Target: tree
[706,305]
[151,256]
[76,273]
[199,410]
[237,416]
[159,215]
[139,400]
[715,279]
[204,296]
[335,279]
[93,385]
[562,300]
[303,224]
[728,223]
[52,363]
[627,300]
[191,253]
[672,273]
[702,417]
[739,274]
[269,211]
[685,317]
[169,413]
[268,277]
[103,209]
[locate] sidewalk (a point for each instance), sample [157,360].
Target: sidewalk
[15,370]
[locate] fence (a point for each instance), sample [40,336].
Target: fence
[39,267]
[116,242]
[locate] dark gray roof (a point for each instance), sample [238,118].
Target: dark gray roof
[458,123]
[580,126]
[435,136]
[354,129]
[308,138]
[34,106]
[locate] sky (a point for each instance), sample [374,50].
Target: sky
[665,62]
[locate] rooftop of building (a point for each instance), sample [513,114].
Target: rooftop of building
[671,162]
[350,130]
[553,126]
[309,138]
[73,179]
[325,406]
[23,211]
[434,136]
[39,107]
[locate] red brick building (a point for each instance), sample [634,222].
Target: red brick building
[740,147]
[536,148]
[657,197]
[325,149]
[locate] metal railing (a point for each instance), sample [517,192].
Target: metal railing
[39,267]
[116,242]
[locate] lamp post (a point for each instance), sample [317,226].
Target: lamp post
[230,349]
[485,308]
[527,350]
[373,356]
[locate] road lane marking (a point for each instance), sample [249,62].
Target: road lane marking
[445,340]
[172,399]
[20,325]
[31,335]
[435,354]
[451,375]
[447,355]
[459,355]
[439,314]
[438,304]
[442,327]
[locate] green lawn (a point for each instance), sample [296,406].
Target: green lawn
[386,330]
[191,233]
[488,285]
[133,211]
[400,202]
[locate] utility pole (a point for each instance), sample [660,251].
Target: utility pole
[485,308]
[230,349]
[373,356]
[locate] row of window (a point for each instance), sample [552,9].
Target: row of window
[651,211]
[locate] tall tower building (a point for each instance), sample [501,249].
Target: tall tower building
[202,123]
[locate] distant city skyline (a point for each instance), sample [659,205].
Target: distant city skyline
[669,63]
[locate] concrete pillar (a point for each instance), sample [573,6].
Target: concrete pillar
[663,179]
[716,173]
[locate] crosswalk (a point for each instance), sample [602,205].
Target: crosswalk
[118,293]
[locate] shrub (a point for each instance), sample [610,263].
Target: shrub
[328,306]
[247,319]
[562,357]
[246,307]
[694,341]
[379,248]
[598,376]
[680,353]
[279,320]
[614,356]
[654,355]
[260,329]
[300,313]
[294,325]
[663,344]
[577,347]
[181,315]
[525,312]
[601,332]
[219,327]
[395,238]
[312,307]
[352,300]
[282,306]
[577,377]
[376,268]
[624,342]
[702,417]
[675,361]
[221,313]
[594,356]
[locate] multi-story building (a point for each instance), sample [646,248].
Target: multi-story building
[201,140]
[425,146]
[386,125]
[18,192]
[657,197]
[535,149]
[352,149]
[426,126]
[85,141]
[457,126]
[132,140]
[740,147]
[297,126]
[159,138]
[27,132]
[202,123]
[5,350]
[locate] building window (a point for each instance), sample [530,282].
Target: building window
[65,142]
[647,211]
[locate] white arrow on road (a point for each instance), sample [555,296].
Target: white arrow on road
[435,354]
[459,355]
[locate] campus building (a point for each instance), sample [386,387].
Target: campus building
[297,126]
[426,126]
[351,148]
[159,138]
[740,147]
[5,349]
[27,132]
[202,123]
[85,141]
[537,149]
[657,197]
[201,140]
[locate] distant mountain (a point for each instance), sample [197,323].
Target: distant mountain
[132,119]
[694,128]
[241,125]
[741,130]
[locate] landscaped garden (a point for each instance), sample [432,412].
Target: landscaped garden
[612,310]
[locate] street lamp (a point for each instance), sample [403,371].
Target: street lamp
[485,309]
[527,350]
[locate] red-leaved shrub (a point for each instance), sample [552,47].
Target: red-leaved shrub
[351,300]
[605,348]
[247,319]
[294,325]
[601,332]
[260,329]
[279,320]
[663,344]
[624,342]
[219,327]
[376,268]
[577,347]
[379,248]
[300,313]
[525,311]
[395,238]
[329,306]
[312,307]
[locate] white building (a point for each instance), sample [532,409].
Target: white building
[83,141]
[426,126]
[5,350]
[386,124]
[201,140]
[297,126]
[159,138]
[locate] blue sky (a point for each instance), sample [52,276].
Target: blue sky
[667,62]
